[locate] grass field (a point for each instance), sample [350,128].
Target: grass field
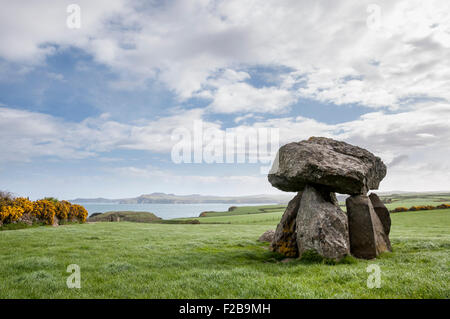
[137,260]
[247,210]
[408,200]
[274,212]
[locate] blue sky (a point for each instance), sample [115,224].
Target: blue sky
[91,112]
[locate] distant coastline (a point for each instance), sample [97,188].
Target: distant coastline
[162,198]
[166,210]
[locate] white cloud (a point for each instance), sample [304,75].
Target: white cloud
[417,141]
[242,97]
[56,76]
[206,49]
[415,144]
[31,29]
[183,44]
[26,135]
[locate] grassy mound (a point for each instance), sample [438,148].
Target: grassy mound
[137,217]
[246,210]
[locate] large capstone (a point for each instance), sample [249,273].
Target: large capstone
[382,212]
[342,167]
[321,225]
[367,236]
[285,238]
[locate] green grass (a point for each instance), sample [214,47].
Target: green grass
[244,210]
[144,260]
[408,200]
[398,200]
[17,226]
[259,219]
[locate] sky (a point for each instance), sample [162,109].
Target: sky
[94,99]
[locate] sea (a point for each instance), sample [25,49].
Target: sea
[165,211]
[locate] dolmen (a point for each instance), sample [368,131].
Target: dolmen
[316,169]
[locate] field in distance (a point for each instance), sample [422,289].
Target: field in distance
[269,213]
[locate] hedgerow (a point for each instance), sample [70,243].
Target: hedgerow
[400,209]
[420,207]
[48,210]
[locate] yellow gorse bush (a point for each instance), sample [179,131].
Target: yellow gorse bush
[78,212]
[44,210]
[420,207]
[10,214]
[24,203]
[63,209]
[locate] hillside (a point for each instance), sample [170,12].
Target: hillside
[162,198]
[138,217]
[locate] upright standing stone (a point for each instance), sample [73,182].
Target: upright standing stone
[367,236]
[321,225]
[285,238]
[382,212]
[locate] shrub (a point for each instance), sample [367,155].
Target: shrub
[82,213]
[400,209]
[25,204]
[62,209]
[9,214]
[443,206]
[45,210]
[416,208]
[78,212]
[6,199]
[54,200]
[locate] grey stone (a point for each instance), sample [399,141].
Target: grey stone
[321,225]
[55,222]
[27,219]
[285,238]
[382,212]
[367,236]
[267,236]
[344,168]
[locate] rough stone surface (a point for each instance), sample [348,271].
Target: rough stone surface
[344,168]
[321,225]
[285,238]
[267,236]
[382,212]
[367,236]
[27,219]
